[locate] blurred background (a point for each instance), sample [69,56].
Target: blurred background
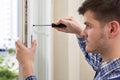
[58,56]
[8,35]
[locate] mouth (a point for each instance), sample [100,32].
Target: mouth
[86,41]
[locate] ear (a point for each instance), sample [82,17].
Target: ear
[114,28]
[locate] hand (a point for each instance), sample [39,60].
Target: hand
[25,56]
[72,26]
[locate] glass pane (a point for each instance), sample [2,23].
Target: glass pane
[43,60]
[8,35]
[42,35]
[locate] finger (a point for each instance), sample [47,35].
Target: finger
[61,29]
[34,45]
[69,18]
[60,20]
[65,22]
[19,45]
[16,44]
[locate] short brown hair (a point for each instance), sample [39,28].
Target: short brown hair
[104,10]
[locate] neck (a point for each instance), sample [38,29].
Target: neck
[111,53]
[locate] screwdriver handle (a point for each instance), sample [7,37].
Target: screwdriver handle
[59,25]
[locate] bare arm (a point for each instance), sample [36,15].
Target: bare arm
[72,26]
[25,56]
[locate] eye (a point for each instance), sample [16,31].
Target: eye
[88,26]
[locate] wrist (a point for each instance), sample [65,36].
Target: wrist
[78,33]
[27,70]
[31,77]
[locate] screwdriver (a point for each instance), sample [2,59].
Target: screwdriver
[54,25]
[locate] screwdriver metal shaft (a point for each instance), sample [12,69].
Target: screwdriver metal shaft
[54,25]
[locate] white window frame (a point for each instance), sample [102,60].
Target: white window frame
[34,10]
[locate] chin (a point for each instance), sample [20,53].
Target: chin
[90,50]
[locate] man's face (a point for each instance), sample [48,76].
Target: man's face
[95,34]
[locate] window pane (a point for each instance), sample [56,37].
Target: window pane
[8,35]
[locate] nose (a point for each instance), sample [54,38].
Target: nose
[84,34]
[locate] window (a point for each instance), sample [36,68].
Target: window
[8,35]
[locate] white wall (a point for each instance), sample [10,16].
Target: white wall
[69,63]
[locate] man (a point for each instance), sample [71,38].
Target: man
[99,40]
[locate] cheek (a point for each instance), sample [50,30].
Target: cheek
[98,41]
[93,35]
[94,38]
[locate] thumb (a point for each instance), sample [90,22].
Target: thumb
[34,45]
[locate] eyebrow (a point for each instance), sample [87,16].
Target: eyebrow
[87,23]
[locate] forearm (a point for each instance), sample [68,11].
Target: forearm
[25,56]
[27,71]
